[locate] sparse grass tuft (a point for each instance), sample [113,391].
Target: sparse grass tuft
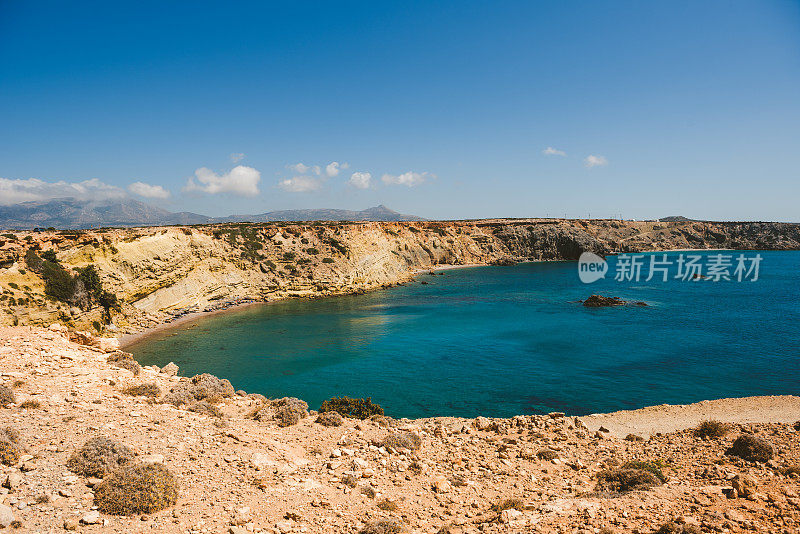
[30,404]
[349,480]
[387,505]
[369,491]
[402,440]
[751,448]
[205,407]
[711,429]
[99,456]
[137,489]
[508,504]
[381,527]
[355,408]
[143,390]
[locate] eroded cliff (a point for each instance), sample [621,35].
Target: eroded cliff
[160,272]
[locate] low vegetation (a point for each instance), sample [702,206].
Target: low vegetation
[673,527]
[387,505]
[31,404]
[508,504]
[124,360]
[711,429]
[628,478]
[330,419]
[137,489]
[99,457]
[198,388]
[402,440]
[143,390]
[10,449]
[6,395]
[206,408]
[355,408]
[751,448]
[381,527]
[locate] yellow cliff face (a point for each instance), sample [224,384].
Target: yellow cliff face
[158,271]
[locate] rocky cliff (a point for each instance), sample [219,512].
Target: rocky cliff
[161,272]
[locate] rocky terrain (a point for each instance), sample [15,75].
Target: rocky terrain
[238,472]
[161,273]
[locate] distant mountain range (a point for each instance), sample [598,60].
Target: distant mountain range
[74,214]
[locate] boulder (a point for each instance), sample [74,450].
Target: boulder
[171,369]
[6,516]
[108,344]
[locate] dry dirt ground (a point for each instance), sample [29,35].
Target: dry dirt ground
[240,475]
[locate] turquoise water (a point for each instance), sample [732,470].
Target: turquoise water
[500,341]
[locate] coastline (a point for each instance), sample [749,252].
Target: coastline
[126,340]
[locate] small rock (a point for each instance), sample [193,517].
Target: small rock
[13,481]
[171,369]
[6,516]
[91,518]
[71,523]
[507,516]
[284,526]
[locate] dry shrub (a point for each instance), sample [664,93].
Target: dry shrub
[751,448]
[355,408]
[137,489]
[31,404]
[124,360]
[674,527]
[143,390]
[624,480]
[387,505]
[653,467]
[547,454]
[200,387]
[369,491]
[6,395]
[330,419]
[286,411]
[508,504]
[349,480]
[9,453]
[711,429]
[402,440]
[99,456]
[633,437]
[205,407]
[381,527]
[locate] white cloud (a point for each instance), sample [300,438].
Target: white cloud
[236,157]
[240,180]
[300,184]
[595,161]
[332,169]
[148,191]
[409,179]
[16,191]
[361,180]
[550,151]
[299,168]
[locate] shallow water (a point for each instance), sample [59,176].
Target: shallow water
[501,341]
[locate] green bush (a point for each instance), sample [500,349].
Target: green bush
[330,419]
[137,489]
[356,408]
[653,467]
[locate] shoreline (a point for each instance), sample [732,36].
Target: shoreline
[127,340]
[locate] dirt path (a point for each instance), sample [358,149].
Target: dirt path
[670,418]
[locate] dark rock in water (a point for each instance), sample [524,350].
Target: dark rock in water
[598,301]
[640,303]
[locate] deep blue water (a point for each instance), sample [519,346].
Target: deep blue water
[501,341]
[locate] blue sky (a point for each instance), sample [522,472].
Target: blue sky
[651,108]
